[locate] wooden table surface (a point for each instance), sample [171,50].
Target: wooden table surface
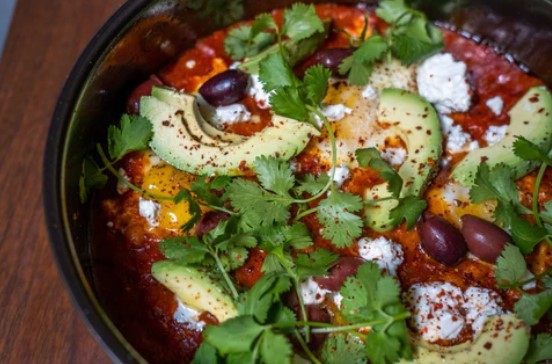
[38,323]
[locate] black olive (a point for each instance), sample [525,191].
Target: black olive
[485,240]
[442,241]
[225,88]
[331,58]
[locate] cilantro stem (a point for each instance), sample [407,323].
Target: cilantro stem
[225,275]
[126,182]
[305,213]
[517,285]
[306,349]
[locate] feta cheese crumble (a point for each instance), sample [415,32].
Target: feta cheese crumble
[457,139]
[495,134]
[187,315]
[341,175]
[441,310]
[435,310]
[394,156]
[122,187]
[333,113]
[311,292]
[495,104]
[442,81]
[369,92]
[480,303]
[387,254]
[149,210]
[257,92]
[231,114]
[337,299]
[190,64]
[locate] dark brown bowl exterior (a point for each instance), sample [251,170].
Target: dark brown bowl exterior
[142,37]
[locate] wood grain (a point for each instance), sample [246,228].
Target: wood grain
[38,323]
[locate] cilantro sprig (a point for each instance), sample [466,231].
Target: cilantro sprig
[511,273]
[264,324]
[300,35]
[409,207]
[410,37]
[497,184]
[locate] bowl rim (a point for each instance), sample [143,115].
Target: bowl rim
[76,284]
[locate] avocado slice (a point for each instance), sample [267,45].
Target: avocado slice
[504,340]
[530,118]
[195,289]
[416,121]
[198,127]
[174,143]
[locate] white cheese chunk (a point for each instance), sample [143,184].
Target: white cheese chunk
[337,299]
[480,303]
[230,114]
[435,310]
[457,139]
[394,156]
[190,64]
[257,92]
[495,104]
[149,210]
[442,81]
[369,92]
[341,175]
[311,292]
[186,315]
[495,134]
[530,285]
[333,113]
[387,254]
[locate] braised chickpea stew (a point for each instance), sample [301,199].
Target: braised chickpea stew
[329,184]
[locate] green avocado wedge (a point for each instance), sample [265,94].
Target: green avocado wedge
[530,118]
[416,121]
[198,127]
[174,142]
[195,289]
[504,340]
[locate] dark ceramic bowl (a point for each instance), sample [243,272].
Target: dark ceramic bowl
[145,35]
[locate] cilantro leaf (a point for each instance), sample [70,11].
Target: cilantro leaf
[185,250]
[276,73]
[263,22]
[313,184]
[274,175]
[525,234]
[297,235]
[409,208]
[263,294]
[242,42]
[360,63]
[205,354]
[410,50]
[382,349]
[335,213]
[301,22]
[371,157]
[193,208]
[531,307]
[510,266]
[316,263]
[529,151]
[275,348]
[206,188]
[288,102]
[257,206]
[316,83]
[341,348]
[235,335]
[133,134]
[494,184]
[91,178]
[540,349]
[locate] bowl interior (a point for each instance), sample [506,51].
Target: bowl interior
[142,37]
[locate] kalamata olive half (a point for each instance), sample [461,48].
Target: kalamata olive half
[343,268]
[225,88]
[442,241]
[332,58]
[485,240]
